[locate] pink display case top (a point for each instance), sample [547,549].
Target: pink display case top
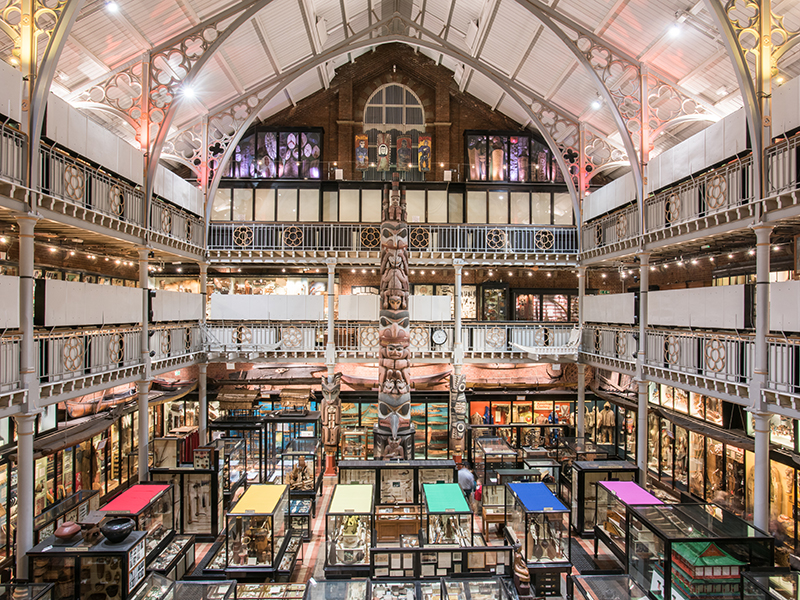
[630,493]
[135,498]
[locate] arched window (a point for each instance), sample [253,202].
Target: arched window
[394,109]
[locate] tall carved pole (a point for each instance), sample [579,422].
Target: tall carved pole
[458,413]
[331,417]
[394,432]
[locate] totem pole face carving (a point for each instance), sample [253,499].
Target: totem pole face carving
[394,429]
[458,412]
[331,413]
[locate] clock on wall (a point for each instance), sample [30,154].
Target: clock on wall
[439,336]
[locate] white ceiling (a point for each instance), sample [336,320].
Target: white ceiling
[504,36]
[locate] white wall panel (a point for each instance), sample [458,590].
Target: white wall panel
[617,193]
[10,92]
[653,175]
[786,107]
[609,308]
[9,299]
[177,306]
[735,128]
[680,161]
[276,308]
[696,152]
[73,303]
[711,307]
[101,146]
[665,159]
[240,307]
[715,143]
[58,120]
[230,307]
[76,140]
[178,191]
[362,307]
[784,306]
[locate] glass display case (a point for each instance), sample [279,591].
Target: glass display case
[302,469]
[252,430]
[354,444]
[494,498]
[199,504]
[176,559]
[394,522]
[447,516]
[348,530]
[480,589]
[234,465]
[30,591]
[394,590]
[492,453]
[494,302]
[72,508]
[397,482]
[284,427]
[678,550]
[103,571]
[166,451]
[769,585]
[300,517]
[583,491]
[256,530]
[271,591]
[157,587]
[336,590]
[150,505]
[611,523]
[540,523]
[606,587]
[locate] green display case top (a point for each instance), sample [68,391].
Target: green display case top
[352,498]
[705,554]
[444,497]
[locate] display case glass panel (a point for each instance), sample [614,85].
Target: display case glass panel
[231,453]
[448,518]
[354,444]
[770,586]
[397,486]
[336,590]
[151,507]
[348,528]
[271,591]
[613,500]
[301,465]
[606,587]
[678,550]
[540,522]
[585,475]
[31,591]
[393,590]
[256,527]
[494,303]
[72,508]
[482,589]
[491,453]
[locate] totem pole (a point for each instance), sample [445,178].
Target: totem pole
[458,413]
[331,417]
[394,432]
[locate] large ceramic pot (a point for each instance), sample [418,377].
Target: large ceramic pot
[116,530]
[67,531]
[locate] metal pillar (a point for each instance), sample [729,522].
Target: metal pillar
[761,480]
[143,385]
[202,393]
[641,425]
[330,348]
[27,359]
[580,409]
[26,425]
[458,344]
[204,289]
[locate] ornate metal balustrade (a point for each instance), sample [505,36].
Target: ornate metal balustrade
[174,342]
[611,230]
[178,225]
[80,185]
[781,163]
[784,366]
[729,186]
[226,239]
[709,355]
[486,340]
[274,339]
[614,344]
[65,355]
[9,363]
[13,145]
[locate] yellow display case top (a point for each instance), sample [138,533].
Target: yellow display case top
[259,499]
[352,498]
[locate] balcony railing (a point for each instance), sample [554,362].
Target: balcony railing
[487,338]
[712,355]
[9,363]
[73,354]
[614,228]
[340,237]
[781,165]
[12,154]
[784,365]
[283,337]
[616,343]
[175,223]
[175,340]
[80,184]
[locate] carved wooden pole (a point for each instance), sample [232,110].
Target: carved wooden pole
[394,432]
[458,412]
[331,419]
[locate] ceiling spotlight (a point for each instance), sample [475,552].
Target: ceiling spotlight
[680,263]
[72,252]
[112,6]
[730,255]
[363,271]
[118,261]
[188,91]
[596,104]
[694,262]
[622,274]
[652,268]
[283,270]
[675,30]
[511,273]
[413,272]
[603,275]
[179,270]
[780,79]
[530,274]
[432,272]
[353,271]
[422,272]
[711,258]
[630,272]
[776,248]
[14,61]
[490,273]
[751,251]
[373,271]
[52,249]
[550,275]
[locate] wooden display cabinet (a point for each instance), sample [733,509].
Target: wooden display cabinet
[392,521]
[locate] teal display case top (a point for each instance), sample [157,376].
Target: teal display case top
[444,497]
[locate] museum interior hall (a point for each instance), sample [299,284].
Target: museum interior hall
[399,299]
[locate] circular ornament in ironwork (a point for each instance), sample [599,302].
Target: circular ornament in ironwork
[598,340]
[621,343]
[116,348]
[242,335]
[74,182]
[672,207]
[622,227]
[496,239]
[716,191]
[292,337]
[187,340]
[496,337]
[542,336]
[715,355]
[72,353]
[188,231]
[672,350]
[166,221]
[116,200]
[293,236]
[598,235]
[243,236]
[370,237]
[419,237]
[166,342]
[369,337]
[544,239]
[418,337]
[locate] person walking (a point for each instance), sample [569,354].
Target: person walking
[466,481]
